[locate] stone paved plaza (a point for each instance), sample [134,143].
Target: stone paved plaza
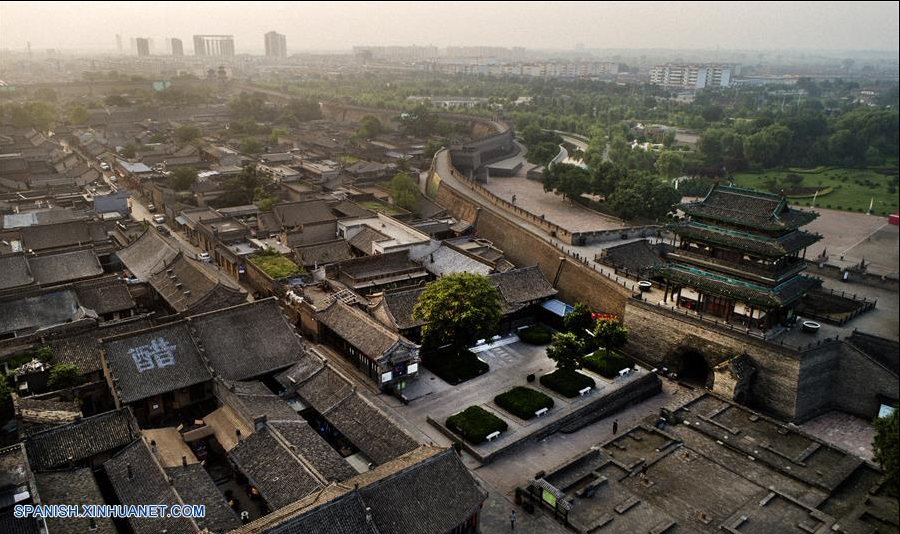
[856,236]
[844,431]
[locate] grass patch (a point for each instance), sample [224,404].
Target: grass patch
[605,366]
[535,335]
[475,423]
[523,402]
[567,383]
[381,207]
[275,265]
[850,189]
[455,366]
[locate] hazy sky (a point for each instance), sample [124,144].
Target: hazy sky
[340,25]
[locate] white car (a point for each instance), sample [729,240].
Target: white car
[159,219]
[204,257]
[104,166]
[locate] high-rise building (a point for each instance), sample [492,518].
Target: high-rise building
[119,42]
[276,45]
[214,45]
[177,47]
[143,46]
[692,76]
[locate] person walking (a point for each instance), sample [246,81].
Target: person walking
[512,520]
[615,427]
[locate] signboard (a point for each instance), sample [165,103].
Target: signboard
[161,86]
[548,498]
[386,377]
[412,368]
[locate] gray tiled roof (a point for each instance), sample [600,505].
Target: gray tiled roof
[193,286]
[363,239]
[523,286]
[81,440]
[358,328]
[369,429]
[276,472]
[300,213]
[83,350]
[249,340]
[257,401]
[312,447]
[147,484]
[105,295]
[42,310]
[194,485]
[325,389]
[14,271]
[400,305]
[748,208]
[59,268]
[72,487]
[153,362]
[147,255]
[64,234]
[432,496]
[323,253]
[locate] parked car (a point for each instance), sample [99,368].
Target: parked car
[163,231]
[204,257]
[159,219]
[122,226]
[104,166]
[151,207]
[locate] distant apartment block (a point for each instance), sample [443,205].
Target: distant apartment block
[547,70]
[276,45]
[177,47]
[396,53]
[693,76]
[143,46]
[214,45]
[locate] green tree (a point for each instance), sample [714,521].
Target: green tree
[64,375]
[566,349]
[241,189]
[130,150]
[669,164]
[187,134]
[886,449]
[250,145]
[579,320]
[6,405]
[642,195]
[369,127]
[276,133]
[458,309]
[77,114]
[567,180]
[610,334]
[404,191]
[116,100]
[46,94]
[182,178]
[431,148]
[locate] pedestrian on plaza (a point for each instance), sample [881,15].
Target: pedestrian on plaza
[512,520]
[615,427]
[245,517]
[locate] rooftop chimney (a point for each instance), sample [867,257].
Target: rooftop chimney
[184,461]
[129,471]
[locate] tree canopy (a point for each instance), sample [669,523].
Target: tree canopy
[64,375]
[886,449]
[369,127]
[610,334]
[566,350]
[187,134]
[458,309]
[404,191]
[182,178]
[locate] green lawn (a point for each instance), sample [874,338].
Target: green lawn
[475,424]
[455,366]
[382,207]
[567,383]
[523,402]
[839,188]
[276,266]
[605,366]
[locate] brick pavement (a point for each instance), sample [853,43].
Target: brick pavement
[844,431]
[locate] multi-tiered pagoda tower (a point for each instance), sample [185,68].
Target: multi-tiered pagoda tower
[739,256]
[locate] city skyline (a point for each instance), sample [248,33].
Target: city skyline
[864,26]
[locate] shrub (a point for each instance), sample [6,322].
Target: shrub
[567,383]
[475,424]
[535,335]
[523,402]
[455,366]
[605,366]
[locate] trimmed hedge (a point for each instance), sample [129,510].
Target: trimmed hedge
[475,423]
[535,335]
[455,366]
[523,402]
[605,366]
[567,383]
